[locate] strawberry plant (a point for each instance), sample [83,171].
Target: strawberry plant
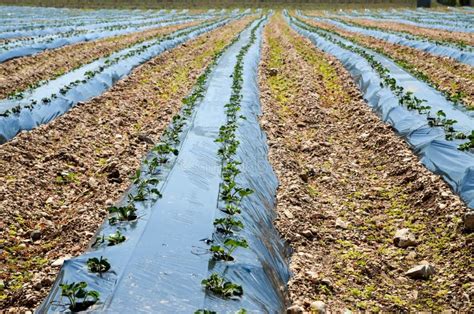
[98,241]
[79,297]
[122,213]
[115,238]
[154,163]
[224,252]
[204,311]
[231,193]
[220,287]
[98,265]
[228,225]
[164,149]
[230,171]
[231,209]
[144,190]
[438,120]
[469,145]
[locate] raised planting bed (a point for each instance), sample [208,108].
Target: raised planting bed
[464,55]
[439,133]
[83,161]
[198,221]
[347,184]
[460,40]
[444,74]
[21,74]
[27,110]
[36,45]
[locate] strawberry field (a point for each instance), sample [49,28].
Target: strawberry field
[236,160]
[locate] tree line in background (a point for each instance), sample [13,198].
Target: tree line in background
[323,4]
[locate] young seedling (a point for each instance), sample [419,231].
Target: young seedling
[231,209]
[164,149]
[115,238]
[98,241]
[231,193]
[439,120]
[219,286]
[144,190]
[98,265]
[122,213]
[79,297]
[230,171]
[136,178]
[469,145]
[228,225]
[224,253]
[154,163]
[204,311]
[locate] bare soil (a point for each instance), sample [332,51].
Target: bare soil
[347,184]
[58,179]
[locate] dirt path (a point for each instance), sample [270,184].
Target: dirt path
[448,75]
[348,183]
[57,180]
[18,74]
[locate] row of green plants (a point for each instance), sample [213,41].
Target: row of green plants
[18,95]
[456,44]
[145,183]
[46,38]
[454,97]
[226,239]
[406,98]
[418,18]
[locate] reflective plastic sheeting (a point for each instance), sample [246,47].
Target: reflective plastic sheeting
[436,49]
[436,153]
[159,268]
[28,119]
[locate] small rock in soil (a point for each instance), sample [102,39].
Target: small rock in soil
[422,271]
[46,282]
[145,138]
[318,307]
[469,220]
[341,223]
[404,238]
[114,176]
[288,214]
[294,309]
[60,261]
[411,255]
[304,176]
[35,235]
[93,182]
[327,282]
[272,72]
[307,234]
